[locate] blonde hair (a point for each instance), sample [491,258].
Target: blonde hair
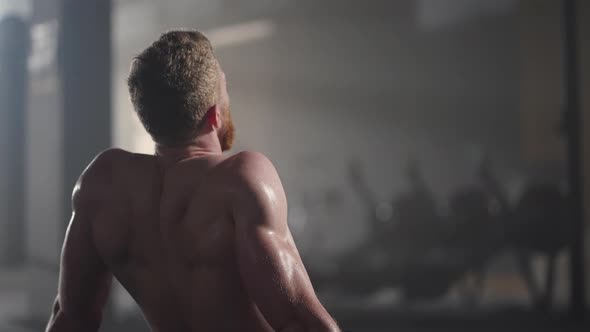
[173,83]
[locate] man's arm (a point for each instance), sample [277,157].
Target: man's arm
[84,281]
[269,263]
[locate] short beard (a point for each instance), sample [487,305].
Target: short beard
[227,133]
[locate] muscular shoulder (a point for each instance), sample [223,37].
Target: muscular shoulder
[99,174]
[259,191]
[254,172]
[250,164]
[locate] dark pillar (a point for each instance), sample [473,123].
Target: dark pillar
[84,56]
[14,50]
[85,67]
[574,149]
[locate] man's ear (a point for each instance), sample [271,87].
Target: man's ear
[213,117]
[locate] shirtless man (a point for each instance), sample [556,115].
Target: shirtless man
[200,240]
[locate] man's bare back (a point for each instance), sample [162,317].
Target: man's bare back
[168,231]
[167,234]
